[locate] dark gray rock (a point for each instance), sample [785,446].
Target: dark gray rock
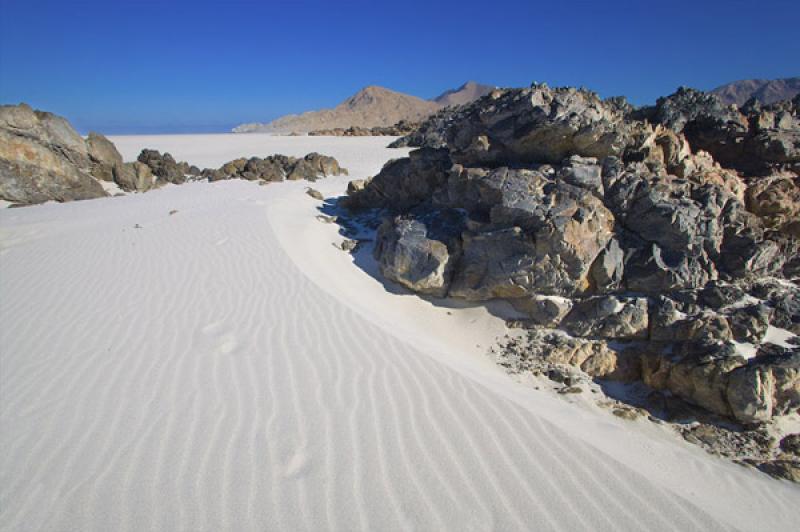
[609,317]
[791,444]
[749,324]
[716,295]
[767,386]
[164,166]
[27,184]
[495,264]
[752,139]
[786,314]
[420,250]
[403,183]
[583,172]
[608,269]
[544,311]
[539,125]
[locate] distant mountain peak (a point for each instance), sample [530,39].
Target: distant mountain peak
[369,107]
[469,91]
[371,95]
[766,91]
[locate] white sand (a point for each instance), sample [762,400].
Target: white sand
[227,368]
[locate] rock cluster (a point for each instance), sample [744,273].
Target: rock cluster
[754,139]
[277,168]
[42,158]
[616,225]
[401,128]
[569,364]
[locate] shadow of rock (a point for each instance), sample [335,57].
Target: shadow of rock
[362,228]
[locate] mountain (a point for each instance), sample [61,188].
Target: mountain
[466,93]
[370,107]
[764,90]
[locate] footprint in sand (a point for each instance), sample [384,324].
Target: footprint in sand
[224,343]
[212,328]
[298,464]
[228,344]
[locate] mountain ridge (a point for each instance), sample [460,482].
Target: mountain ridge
[369,107]
[766,91]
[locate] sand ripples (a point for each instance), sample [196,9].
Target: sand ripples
[187,376]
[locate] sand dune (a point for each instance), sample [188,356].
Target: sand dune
[226,368]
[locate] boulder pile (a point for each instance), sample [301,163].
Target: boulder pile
[662,241]
[42,158]
[277,168]
[401,128]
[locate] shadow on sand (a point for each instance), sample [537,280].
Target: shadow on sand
[362,227]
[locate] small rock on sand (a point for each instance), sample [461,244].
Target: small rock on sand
[316,194]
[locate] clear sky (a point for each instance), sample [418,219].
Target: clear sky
[156,66]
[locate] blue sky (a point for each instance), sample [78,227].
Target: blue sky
[156,66]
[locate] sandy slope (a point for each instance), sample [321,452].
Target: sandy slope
[226,368]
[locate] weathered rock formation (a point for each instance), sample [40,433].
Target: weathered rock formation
[401,128]
[277,168]
[671,230]
[42,158]
[754,139]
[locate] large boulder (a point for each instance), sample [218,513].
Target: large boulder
[403,183]
[164,167]
[609,317]
[698,375]
[765,387]
[553,231]
[593,357]
[420,250]
[495,264]
[719,380]
[671,228]
[544,311]
[277,168]
[752,139]
[105,158]
[32,183]
[136,176]
[776,200]
[538,125]
[43,158]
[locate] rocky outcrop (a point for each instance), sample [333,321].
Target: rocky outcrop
[420,251]
[277,168]
[165,168]
[401,128]
[43,158]
[544,352]
[753,139]
[614,224]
